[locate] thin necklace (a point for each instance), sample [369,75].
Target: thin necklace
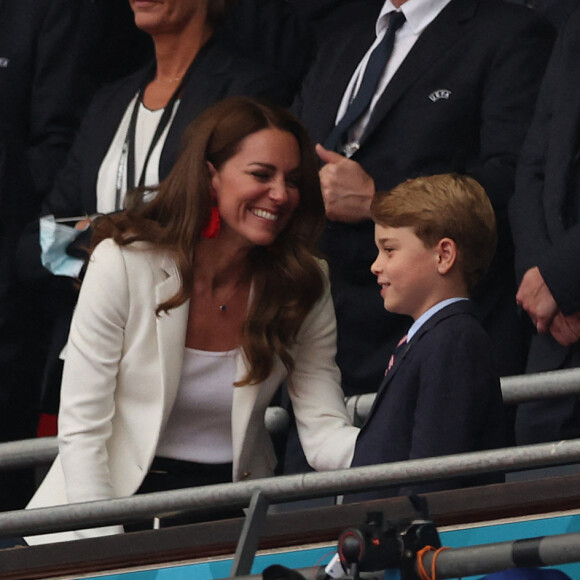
[223,304]
[167,81]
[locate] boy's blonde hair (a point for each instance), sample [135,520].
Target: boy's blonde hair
[444,206]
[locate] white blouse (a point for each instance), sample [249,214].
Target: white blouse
[199,427]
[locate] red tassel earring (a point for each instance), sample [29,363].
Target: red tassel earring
[213,226]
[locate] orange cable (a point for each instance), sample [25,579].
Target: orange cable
[423,574]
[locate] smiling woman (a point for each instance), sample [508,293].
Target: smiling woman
[183,333]
[256,190]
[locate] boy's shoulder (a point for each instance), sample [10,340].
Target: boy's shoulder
[453,345]
[455,323]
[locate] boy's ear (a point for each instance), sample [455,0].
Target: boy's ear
[446,255]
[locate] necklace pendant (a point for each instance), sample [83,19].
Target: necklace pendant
[223,307]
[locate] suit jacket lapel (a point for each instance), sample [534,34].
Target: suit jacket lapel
[345,57]
[435,41]
[210,71]
[114,110]
[171,330]
[388,378]
[198,93]
[463,306]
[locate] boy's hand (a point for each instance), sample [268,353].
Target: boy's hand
[566,329]
[347,188]
[535,298]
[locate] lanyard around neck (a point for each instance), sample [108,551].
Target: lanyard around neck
[127,161]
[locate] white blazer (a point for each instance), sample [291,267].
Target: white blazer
[121,376]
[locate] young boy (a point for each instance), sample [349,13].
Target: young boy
[441,394]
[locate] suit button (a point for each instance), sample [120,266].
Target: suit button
[245,475]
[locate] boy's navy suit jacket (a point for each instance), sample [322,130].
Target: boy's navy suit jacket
[442,396]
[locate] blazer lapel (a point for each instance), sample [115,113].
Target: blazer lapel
[346,65]
[171,330]
[337,69]
[113,111]
[399,360]
[209,76]
[249,407]
[202,85]
[460,307]
[435,41]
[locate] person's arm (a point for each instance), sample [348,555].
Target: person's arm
[508,99]
[550,286]
[93,358]
[325,431]
[526,208]
[66,196]
[56,99]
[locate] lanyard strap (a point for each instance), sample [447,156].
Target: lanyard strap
[127,161]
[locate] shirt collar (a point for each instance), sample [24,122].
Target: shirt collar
[428,314]
[418,14]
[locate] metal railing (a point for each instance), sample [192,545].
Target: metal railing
[515,390]
[284,488]
[42,451]
[259,494]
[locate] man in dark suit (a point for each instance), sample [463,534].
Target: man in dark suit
[545,214]
[456,95]
[39,111]
[440,395]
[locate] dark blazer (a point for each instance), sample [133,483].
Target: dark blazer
[461,101]
[545,213]
[442,396]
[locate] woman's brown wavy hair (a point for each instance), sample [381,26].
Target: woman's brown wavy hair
[287,279]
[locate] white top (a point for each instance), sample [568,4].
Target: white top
[199,427]
[418,14]
[114,167]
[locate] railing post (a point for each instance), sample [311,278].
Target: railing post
[250,536]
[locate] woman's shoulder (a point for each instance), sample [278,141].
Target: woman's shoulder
[135,253]
[122,89]
[138,267]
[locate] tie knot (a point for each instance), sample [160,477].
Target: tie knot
[396,20]
[402,341]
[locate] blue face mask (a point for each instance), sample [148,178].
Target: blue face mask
[54,240]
